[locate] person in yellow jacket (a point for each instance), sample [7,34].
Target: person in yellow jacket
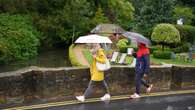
[96,76]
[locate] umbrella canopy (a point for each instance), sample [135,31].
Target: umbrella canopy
[136,37]
[93,39]
[107,29]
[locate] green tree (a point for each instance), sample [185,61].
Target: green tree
[152,12]
[184,12]
[19,40]
[117,11]
[187,2]
[75,15]
[99,17]
[165,34]
[61,20]
[123,11]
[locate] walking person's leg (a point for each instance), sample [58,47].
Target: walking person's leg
[87,92]
[106,88]
[107,92]
[146,82]
[89,89]
[138,83]
[137,86]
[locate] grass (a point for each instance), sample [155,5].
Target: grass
[154,61]
[176,61]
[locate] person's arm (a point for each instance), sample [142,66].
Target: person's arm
[146,59]
[138,65]
[101,58]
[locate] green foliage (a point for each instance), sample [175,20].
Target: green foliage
[185,13]
[88,56]
[57,20]
[122,45]
[122,10]
[165,34]
[62,21]
[118,11]
[187,2]
[99,17]
[184,47]
[187,33]
[18,38]
[72,57]
[162,54]
[154,48]
[75,17]
[152,12]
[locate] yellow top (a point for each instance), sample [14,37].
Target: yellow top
[101,58]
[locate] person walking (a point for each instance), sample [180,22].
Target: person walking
[142,69]
[96,76]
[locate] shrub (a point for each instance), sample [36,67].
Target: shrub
[122,45]
[19,40]
[154,48]
[184,47]
[72,57]
[162,54]
[187,33]
[191,32]
[185,12]
[165,34]
[88,56]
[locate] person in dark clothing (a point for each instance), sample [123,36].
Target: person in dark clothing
[142,69]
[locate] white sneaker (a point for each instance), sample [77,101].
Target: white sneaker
[105,97]
[148,90]
[80,98]
[135,95]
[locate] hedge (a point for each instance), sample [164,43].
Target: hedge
[184,47]
[72,57]
[187,33]
[19,39]
[122,44]
[162,54]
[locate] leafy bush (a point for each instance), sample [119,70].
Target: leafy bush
[165,34]
[185,12]
[122,45]
[72,57]
[19,40]
[154,48]
[184,47]
[162,54]
[88,56]
[187,33]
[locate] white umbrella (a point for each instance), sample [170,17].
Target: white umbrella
[94,38]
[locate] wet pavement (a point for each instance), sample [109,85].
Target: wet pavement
[170,102]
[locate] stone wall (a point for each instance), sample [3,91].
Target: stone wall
[45,84]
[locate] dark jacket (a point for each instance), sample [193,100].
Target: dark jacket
[142,64]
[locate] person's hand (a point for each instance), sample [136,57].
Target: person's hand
[94,56]
[145,76]
[134,54]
